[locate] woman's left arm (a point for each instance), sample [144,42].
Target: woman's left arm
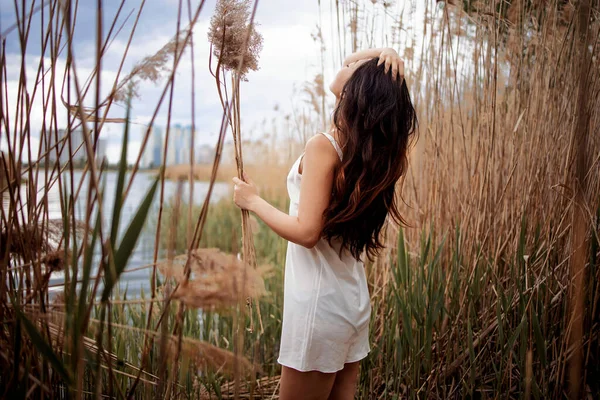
[315,190]
[387,56]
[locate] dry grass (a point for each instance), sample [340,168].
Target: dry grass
[205,357]
[264,388]
[218,279]
[266,176]
[494,173]
[494,290]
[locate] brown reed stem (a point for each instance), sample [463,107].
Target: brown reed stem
[579,245]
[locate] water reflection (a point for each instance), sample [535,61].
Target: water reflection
[143,253]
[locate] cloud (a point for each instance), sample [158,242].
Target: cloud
[289,56]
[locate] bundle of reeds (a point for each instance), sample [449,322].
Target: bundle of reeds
[235,44]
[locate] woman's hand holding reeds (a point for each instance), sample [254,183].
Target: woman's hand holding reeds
[304,228]
[244,193]
[393,60]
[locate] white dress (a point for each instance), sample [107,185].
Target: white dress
[326,303]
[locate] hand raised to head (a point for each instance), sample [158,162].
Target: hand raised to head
[391,59]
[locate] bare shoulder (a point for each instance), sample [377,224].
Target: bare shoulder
[319,146]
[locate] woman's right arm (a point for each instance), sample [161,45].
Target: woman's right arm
[304,229]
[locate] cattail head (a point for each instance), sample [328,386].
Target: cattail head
[229,37]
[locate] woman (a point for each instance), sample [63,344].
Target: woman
[341,189]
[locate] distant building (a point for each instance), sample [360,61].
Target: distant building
[152,157]
[173,150]
[157,147]
[180,143]
[184,145]
[205,154]
[101,148]
[256,152]
[75,151]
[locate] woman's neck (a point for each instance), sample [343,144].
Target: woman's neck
[333,131]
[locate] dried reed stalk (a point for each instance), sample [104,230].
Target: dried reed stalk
[263,388]
[579,242]
[236,44]
[24,210]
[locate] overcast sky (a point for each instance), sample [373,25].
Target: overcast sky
[289,58]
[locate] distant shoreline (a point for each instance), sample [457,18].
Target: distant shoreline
[203,172]
[267,174]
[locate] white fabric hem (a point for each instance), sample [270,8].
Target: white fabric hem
[324,370]
[363,355]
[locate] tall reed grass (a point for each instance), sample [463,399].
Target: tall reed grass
[91,339]
[501,295]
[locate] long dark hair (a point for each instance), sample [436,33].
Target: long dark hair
[376,121]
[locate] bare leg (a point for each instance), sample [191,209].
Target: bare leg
[344,386]
[311,385]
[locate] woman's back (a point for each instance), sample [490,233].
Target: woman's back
[326,308]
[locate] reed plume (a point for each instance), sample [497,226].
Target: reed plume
[236,44]
[207,357]
[152,68]
[234,39]
[218,279]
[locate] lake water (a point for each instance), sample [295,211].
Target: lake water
[143,253]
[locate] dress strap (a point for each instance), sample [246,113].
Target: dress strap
[334,143]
